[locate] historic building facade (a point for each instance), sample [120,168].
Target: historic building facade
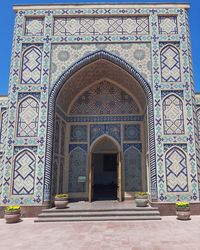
[97,95]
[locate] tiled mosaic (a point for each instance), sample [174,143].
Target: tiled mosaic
[137,25]
[65,55]
[104,99]
[167,25]
[156,51]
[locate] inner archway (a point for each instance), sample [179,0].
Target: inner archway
[122,126]
[104,166]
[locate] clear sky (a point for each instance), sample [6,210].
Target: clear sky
[7,25]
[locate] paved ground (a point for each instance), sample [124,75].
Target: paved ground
[168,234]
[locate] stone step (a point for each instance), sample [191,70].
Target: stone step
[69,210]
[100,213]
[96,218]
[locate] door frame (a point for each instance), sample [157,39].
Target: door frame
[119,167]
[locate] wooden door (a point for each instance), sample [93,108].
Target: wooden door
[91,176]
[119,177]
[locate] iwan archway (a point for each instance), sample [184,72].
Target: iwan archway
[100,96]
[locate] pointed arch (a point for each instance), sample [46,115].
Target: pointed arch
[77,167]
[132,170]
[28,116]
[102,138]
[176,170]
[51,112]
[24,173]
[170,64]
[31,66]
[173,115]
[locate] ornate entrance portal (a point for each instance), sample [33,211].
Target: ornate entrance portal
[100,135]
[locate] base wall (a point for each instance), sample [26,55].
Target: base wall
[170,209]
[166,209]
[26,211]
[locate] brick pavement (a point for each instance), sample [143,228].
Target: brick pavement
[168,234]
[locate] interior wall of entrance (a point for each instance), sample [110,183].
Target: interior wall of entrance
[101,106]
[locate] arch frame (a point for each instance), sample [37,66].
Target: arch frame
[163,112]
[175,48]
[18,112]
[80,64]
[177,148]
[21,152]
[22,61]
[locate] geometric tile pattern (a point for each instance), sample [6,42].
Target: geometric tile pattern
[3,127]
[136,54]
[78,133]
[24,173]
[101,26]
[132,132]
[173,118]
[132,170]
[104,98]
[113,130]
[170,64]
[167,25]
[176,170]
[34,26]
[77,167]
[28,116]
[31,66]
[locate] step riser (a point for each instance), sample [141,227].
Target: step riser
[98,210]
[98,219]
[98,214]
[93,215]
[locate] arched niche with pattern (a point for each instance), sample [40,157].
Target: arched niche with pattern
[61,171]
[170,64]
[28,116]
[57,136]
[176,170]
[104,98]
[132,170]
[24,173]
[77,167]
[54,176]
[145,86]
[62,150]
[31,66]
[173,115]
[3,127]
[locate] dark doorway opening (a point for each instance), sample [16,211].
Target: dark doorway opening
[105,176]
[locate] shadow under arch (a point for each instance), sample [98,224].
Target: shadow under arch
[51,114]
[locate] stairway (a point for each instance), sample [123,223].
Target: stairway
[98,214]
